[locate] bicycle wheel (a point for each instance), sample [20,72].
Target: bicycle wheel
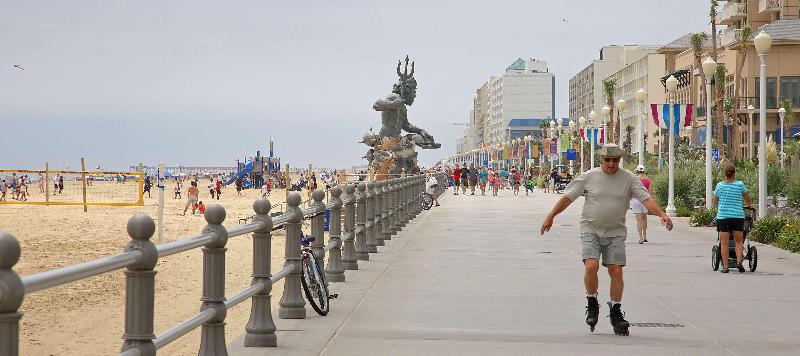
[427,201]
[314,286]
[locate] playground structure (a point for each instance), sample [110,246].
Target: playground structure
[87,188]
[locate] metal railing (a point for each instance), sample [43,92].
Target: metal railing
[372,213]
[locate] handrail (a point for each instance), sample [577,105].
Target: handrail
[60,276]
[373,211]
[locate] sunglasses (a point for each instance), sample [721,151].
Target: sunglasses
[611,159]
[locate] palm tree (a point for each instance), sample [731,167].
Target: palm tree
[697,40]
[609,86]
[738,89]
[719,112]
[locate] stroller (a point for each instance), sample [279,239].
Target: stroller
[749,253]
[297,186]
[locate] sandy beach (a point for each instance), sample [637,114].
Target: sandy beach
[86,317]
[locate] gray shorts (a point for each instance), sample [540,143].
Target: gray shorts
[611,249]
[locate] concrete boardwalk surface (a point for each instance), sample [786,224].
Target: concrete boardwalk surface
[473,277]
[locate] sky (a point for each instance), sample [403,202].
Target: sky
[207,82]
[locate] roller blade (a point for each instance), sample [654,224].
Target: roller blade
[617,319]
[592,312]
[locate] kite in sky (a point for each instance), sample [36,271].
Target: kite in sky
[19,66]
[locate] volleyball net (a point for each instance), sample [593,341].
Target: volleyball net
[49,187]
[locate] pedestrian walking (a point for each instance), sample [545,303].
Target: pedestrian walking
[730,215]
[473,178]
[483,179]
[212,188]
[639,210]
[239,184]
[177,192]
[218,188]
[607,191]
[464,179]
[430,185]
[192,197]
[456,179]
[516,179]
[504,178]
[494,181]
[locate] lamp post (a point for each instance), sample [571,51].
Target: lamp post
[552,135]
[641,95]
[571,128]
[709,67]
[559,122]
[750,111]
[581,125]
[762,43]
[781,114]
[605,111]
[592,124]
[672,86]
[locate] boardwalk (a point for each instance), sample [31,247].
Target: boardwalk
[473,277]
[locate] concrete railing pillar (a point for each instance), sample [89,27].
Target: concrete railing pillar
[318,227]
[292,305]
[260,327]
[140,287]
[387,209]
[418,189]
[11,294]
[212,334]
[377,213]
[404,205]
[396,207]
[361,215]
[349,259]
[372,243]
[334,271]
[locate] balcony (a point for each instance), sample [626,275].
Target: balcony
[769,6]
[732,13]
[730,36]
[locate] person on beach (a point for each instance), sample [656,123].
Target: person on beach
[41,183]
[212,189]
[177,194]
[730,215]
[473,178]
[60,184]
[13,184]
[607,191]
[265,189]
[218,188]
[639,210]
[147,186]
[192,195]
[239,183]
[201,208]
[55,184]
[456,179]
[3,189]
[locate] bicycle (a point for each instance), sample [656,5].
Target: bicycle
[313,278]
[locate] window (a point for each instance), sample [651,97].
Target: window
[790,88]
[772,99]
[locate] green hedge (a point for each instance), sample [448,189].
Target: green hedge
[703,217]
[768,229]
[789,239]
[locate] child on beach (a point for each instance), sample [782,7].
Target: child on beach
[218,186]
[3,190]
[201,208]
[265,189]
[177,189]
[212,188]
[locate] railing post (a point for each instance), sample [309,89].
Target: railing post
[349,259]
[372,244]
[11,294]
[377,211]
[140,287]
[318,227]
[212,334]
[361,215]
[261,328]
[388,203]
[416,203]
[292,303]
[334,271]
[396,207]
[404,206]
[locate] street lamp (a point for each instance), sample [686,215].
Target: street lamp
[782,113]
[582,124]
[592,125]
[605,111]
[672,86]
[709,67]
[750,111]
[762,43]
[641,96]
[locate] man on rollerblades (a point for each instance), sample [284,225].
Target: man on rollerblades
[608,190]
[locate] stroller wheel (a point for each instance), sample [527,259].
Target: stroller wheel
[753,258]
[715,257]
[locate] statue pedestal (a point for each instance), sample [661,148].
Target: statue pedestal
[392,156]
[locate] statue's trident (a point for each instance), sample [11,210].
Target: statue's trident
[404,76]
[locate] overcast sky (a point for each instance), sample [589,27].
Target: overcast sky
[199,82]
